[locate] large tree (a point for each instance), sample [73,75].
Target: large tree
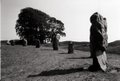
[34,24]
[55,27]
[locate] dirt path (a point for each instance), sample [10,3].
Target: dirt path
[43,64]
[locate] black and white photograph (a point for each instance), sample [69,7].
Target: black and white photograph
[60,40]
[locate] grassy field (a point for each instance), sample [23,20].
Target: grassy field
[19,63]
[113,47]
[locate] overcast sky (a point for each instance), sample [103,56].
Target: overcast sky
[74,14]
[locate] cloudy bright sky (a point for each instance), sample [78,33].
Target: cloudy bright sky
[74,14]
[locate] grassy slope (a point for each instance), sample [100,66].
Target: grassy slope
[44,64]
[113,47]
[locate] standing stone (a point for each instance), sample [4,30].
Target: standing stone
[37,43]
[98,42]
[12,42]
[8,42]
[55,42]
[70,47]
[24,42]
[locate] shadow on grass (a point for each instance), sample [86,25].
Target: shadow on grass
[64,53]
[58,72]
[47,49]
[80,58]
[72,70]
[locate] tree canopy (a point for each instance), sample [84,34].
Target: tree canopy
[34,24]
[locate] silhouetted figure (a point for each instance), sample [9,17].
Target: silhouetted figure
[37,43]
[70,47]
[98,42]
[55,41]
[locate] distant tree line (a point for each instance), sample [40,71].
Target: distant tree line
[34,24]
